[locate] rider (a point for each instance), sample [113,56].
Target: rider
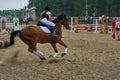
[47,19]
[118,29]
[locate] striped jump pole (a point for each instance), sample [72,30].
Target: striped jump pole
[3,25]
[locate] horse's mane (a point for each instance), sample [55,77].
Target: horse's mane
[59,18]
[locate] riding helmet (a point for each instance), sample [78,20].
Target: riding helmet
[47,8]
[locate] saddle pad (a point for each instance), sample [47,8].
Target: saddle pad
[45,29]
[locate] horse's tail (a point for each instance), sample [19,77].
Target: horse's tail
[12,37]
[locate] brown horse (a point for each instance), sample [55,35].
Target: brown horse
[31,35]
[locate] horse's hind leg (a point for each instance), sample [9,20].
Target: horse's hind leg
[36,52]
[32,48]
[39,54]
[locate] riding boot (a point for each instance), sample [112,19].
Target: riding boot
[52,31]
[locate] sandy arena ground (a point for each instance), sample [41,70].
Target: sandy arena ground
[90,57]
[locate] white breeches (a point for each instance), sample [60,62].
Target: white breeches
[45,21]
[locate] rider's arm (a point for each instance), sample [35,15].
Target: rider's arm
[50,17]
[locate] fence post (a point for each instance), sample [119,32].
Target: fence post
[96,27]
[75,22]
[16,24]
[3,25]
[71,26]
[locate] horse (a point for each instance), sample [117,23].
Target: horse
[31,35]
[21,21]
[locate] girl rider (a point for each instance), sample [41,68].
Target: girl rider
[47,19]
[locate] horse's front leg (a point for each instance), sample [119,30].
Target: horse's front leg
[55,49]
[65,49]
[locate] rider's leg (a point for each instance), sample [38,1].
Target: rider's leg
[53,31]
[51,24]
[117,33]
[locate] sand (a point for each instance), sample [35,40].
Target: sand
[90,57]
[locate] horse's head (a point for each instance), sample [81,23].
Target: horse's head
[62,20]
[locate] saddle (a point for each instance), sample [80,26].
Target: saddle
[52,29]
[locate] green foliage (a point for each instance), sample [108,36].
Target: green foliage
[11,13]
[78,7]
[71,7]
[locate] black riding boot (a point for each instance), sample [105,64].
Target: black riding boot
[52,31]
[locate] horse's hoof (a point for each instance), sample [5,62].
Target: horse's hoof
[43,58]
[50,56]
[63,54]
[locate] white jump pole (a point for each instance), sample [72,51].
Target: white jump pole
[3,25]
[71,30]
[96,27]
[16,24]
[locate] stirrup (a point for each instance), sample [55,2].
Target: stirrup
[53,35]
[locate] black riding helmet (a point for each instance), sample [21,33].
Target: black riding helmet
[47,8]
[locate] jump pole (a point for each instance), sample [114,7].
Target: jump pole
[75,23]
[96,27]
[16,24]
[71,27]
[3,25]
